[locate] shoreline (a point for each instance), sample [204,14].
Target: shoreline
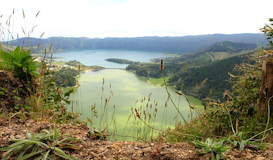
[148,81]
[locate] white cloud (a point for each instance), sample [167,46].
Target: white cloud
[131,18]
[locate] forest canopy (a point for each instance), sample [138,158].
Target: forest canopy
[66,77]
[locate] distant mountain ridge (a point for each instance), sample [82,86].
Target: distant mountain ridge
[184,44]
[223,49]
[228,46]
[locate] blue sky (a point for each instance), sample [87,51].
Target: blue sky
[135,18]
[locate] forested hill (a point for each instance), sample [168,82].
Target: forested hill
[184,44]
[227,46]
[217,78]
[217,51]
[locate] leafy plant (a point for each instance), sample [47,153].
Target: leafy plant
[21,63]
[47,144]
[96,134]
[2,90]
[236,141]
[215,148]
[268,31]
[240,111]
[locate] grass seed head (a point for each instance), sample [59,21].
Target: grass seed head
[23,13]
[33,28]
[185,66]
[161,65]
[24,31]
[37,14]
[42,35]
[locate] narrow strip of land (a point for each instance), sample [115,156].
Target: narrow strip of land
[212,58]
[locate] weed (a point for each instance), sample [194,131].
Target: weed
[48,144]
[215,148]
[237,141]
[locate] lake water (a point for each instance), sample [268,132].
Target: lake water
[116,94]
[97,57]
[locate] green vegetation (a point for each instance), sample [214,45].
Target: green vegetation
[122,61]
[236,120]
[66,77]
[267,30]
[48,144]
[238,116]
[75,64]
[152,70]
[215,148]
[29,91]
[158,81]
[217,51]
[211,65]
[21,63]
[230,46]
[219,146]
[81,67]
[217,79]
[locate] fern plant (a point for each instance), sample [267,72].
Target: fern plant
[47,144]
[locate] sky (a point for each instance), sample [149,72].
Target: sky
[133,18]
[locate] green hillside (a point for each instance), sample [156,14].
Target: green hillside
[217,51]
[212,63]
[216,74]
[230,47]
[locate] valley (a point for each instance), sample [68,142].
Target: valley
[138,101]
[129,79]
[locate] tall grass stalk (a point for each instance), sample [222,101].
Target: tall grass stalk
[173,101]
[268,116]
[102,109]
[107,115]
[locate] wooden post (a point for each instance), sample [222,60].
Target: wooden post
[266,90]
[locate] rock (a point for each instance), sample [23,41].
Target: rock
[18,136]
[30,121]
[12,137]
[148,149]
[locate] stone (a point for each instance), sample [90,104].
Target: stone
[18,136]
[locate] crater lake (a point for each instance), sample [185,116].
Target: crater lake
[112,98]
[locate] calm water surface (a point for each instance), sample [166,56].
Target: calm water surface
[97,57]
[124,89]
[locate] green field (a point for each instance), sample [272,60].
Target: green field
[158,81]
[172,54]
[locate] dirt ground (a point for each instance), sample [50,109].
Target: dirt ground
[10,88]
[98,149]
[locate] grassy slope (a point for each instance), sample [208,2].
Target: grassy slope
[158,81]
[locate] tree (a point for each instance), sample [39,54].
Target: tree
[268,31]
